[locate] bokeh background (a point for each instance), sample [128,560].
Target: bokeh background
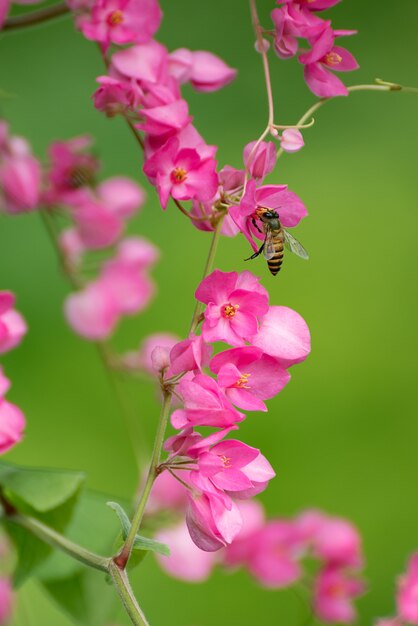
[343,436]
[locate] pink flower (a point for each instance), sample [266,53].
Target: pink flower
[20,183]
[315,5]
[213,520]
[324,56]
[4,384]
[186,561]
[122,195]
[284,335]
[182,173]
[249,376]
[189,355]
[288,205]
[167,494]
[71,247]
[333,540]
[234,302]
[96,224]
[92,312]
[122,21]
[12,325]
[407,596]
[276,551]
[292,21]
[147,62]
[166,119]
[261,161]
[204,405]
[335,590]
[4,10]
[234,467]
[114,96]
[209,72]
[291,140]
[6,600]
[243,546]
[153,354]
[12,424]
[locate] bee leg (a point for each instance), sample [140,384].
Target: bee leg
[256,254]
[256,226]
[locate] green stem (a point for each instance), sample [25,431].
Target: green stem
[122,558]
[124,589]
[56,540]
[207,270]
[379,86]
[102,347]
[36,17]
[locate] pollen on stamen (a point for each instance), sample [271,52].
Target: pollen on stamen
[178,175]
[115,18]
[229,310]
[226,461]
[242,382]
[333,58]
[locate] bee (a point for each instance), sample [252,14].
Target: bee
[276,238]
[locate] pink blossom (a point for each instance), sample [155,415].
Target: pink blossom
[249,376]
[166,119]
[209,72]
[407,596]
[213,520]
[291,140]
[287,204]
[292,21]
[71,246]
[261,161]
[115,96]
[231,179]
[241,549]
[144,62]
[189,355]
[137,252]
[122,195]
[322,57]
[335,590]
[153,355]
[181,173]
[333,540]
[96,224]
[6,600]
[121,21]
[92,312]
[276,551]
[234,467]
[186,561]
[314,5]
[12,424]
[204,405]
[4,10]
[200,210]
[4,384]
[12,325]
[71,167]
[234,302]
[20,183]
[284,335]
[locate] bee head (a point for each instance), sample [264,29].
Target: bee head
[266,214]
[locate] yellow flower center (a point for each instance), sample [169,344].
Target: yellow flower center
[333,58]
[226,461]
[242,382]
[115,18]
[178,175]
[229,310]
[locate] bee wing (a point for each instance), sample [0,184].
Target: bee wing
[268,249]
[294,246]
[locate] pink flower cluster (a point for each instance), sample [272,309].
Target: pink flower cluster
[20,174]
[12,330]
[265,342]
[298,19]
[271,550]
[406,597]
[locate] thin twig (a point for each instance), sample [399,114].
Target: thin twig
[36,17]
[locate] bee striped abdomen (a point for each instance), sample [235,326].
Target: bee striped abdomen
[275,263]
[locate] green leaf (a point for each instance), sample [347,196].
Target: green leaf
[140,543]
[48,495]
[42,489]
[85,597]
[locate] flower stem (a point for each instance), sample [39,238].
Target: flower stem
[124,589]
[36,17]
[122,558]
[102,347]
[208,269]
[378,86]
[56,540]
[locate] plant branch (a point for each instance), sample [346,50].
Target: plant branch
[379,85]
[124,589]
[122,558]
[56,540]
[36,17]
[102,347]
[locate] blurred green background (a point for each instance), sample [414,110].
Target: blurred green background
[343,436]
